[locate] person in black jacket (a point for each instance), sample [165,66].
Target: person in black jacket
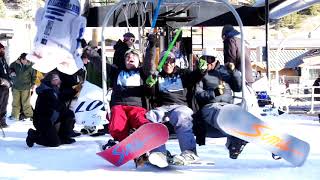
[128,99]
[121,47]
[5,84]
[170,102]
[213,92]
[52,119]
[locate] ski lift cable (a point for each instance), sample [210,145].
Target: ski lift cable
[120,4]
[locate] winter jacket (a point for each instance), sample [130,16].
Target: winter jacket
[231,52]
[48,106]
[118,58]
[206,89]
[206,93]
[94,68]
[129,87]
[4,71]
[172,88]
[25,75]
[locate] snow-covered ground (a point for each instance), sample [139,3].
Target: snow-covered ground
[79,160]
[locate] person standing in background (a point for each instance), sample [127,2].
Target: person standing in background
[5,84]
[232,49]
[121,48]
[23,84]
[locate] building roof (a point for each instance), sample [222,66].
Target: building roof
[290,58]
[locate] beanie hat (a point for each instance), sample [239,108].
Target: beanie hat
[229,30]
[171,54]
[226,29]
[23,56]
[134,51]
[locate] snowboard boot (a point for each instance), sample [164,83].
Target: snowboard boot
[160,159]
[31,138]
[185,158]
[109,144]
[276,157]
[235,147]
[141,160]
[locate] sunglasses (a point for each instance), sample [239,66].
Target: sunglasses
[170,60]
[209,59]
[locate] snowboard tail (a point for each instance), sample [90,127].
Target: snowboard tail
[147,137]
[239,123]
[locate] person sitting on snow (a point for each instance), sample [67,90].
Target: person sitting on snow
[52,120]
[170,101]
[128,99]
[213,92]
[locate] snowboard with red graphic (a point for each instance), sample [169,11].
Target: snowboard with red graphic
[147,137]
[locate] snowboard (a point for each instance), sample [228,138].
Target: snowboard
[147,137]
[237,122]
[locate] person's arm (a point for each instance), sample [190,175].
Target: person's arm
[191,78]
[234,80]
[204,96]
[149,63]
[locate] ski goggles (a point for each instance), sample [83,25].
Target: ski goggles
[170,60]
[209,59]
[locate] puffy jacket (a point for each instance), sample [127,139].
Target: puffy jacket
[25,75]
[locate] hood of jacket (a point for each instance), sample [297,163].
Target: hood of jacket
[119,45]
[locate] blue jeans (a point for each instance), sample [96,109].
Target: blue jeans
[180,117]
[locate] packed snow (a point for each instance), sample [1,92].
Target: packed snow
[79,160]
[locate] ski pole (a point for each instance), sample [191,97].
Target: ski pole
[164,58]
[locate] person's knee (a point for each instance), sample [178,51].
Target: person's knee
[181,120]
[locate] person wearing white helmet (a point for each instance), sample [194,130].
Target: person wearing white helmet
[212,92]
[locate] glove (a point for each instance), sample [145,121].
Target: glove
[219,90]
[151,80]
[151,39]
[202,65]
[4,82]
[230,66]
